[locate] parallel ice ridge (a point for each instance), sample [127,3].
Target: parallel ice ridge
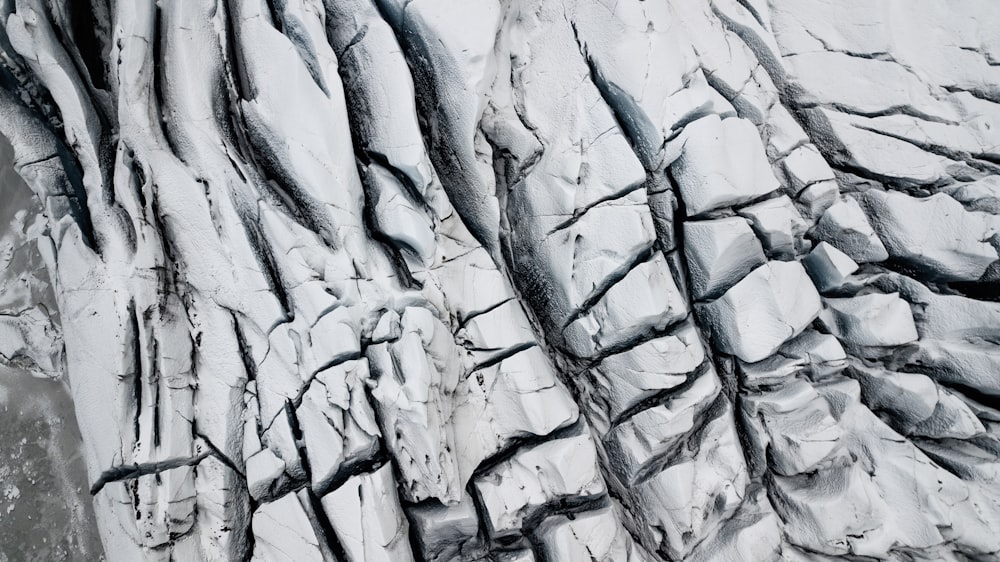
[522,280]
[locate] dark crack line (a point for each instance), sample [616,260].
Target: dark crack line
[665,397]
[133,471]
[503,355]
[582,211]
[982,165]
[518,444]
[687,448]
[568,507]
[223,458]
[891,111]
[477,313]
[615,277]
[323,528]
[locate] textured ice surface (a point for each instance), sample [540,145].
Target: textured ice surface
[621,280]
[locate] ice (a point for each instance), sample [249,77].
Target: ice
[720,252]
[366,515]
[828,267]
[845,227]
[518,487]
[722,163]
[772,304]
[779,226]
[871,320]
[959,247]
[283,532]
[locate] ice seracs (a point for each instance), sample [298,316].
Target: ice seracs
[815,199]
[696,490]
[521,280]
[821,352]
[803,167]
[828,267]
[753,534]
[779,226]
[367,518]
[711,173]
[412,404]
[445,531]
[262,469]
[872,320]
[982,195]
[935,234]
[772,304]
[283,532]
[337,424]
[29,338]
[646,299]
[623,380]
[515,398]
[811,352]
[596,534]
[845,226]
[957,342]
[639,443]
[514,490]
[799,430]
[719,253]
[916,405]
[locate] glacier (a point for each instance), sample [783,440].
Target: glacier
[508,280]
